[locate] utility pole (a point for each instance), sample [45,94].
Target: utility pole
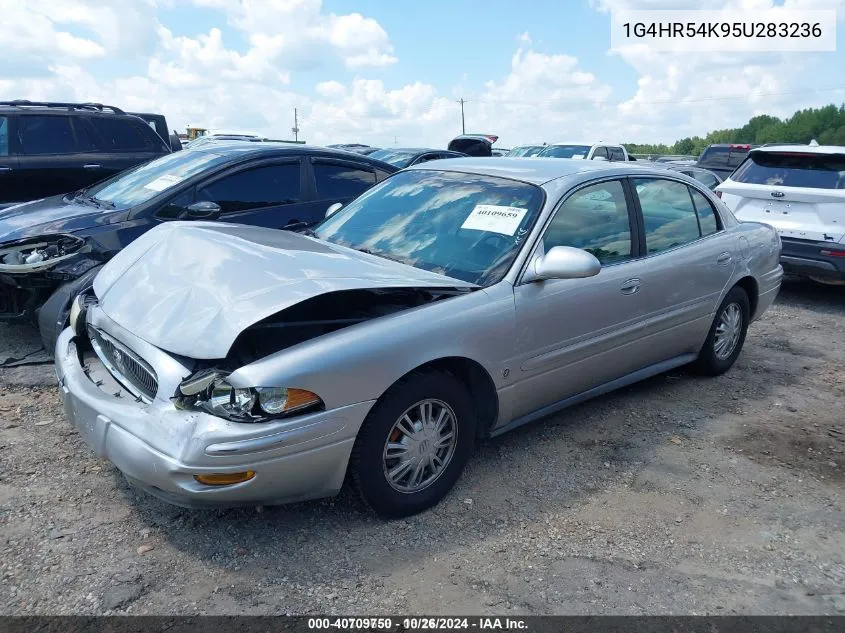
[463,124]
[295,128]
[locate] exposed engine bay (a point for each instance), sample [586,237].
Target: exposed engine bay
[38,254]
[324,314]
[32,269]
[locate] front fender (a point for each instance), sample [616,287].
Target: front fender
[361,362]
[53,315]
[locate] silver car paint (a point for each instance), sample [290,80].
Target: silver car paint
[542,344]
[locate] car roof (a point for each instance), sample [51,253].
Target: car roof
[803,149]
[238,148]
[587,143]
[535,170]
[411,150]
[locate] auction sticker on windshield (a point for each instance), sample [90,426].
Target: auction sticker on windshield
[494,219]
[163,182]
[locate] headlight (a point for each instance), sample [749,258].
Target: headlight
[79,312]
[212,393]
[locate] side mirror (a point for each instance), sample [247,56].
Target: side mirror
[337,206]
[203,210]
[564,262]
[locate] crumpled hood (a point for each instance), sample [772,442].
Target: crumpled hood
[191,287]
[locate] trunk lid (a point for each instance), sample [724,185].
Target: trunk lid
[190,288]
[473,144]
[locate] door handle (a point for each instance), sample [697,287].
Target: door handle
[630,287]
[91,166]
[723,259]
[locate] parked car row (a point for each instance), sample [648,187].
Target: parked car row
[255,322]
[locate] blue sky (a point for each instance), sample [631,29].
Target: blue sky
[388,72]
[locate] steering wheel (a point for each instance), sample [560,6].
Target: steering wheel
[504,242]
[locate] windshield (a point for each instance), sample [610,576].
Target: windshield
[465,226]
[396,158]
[146,181]
[528,150]
[816,171]
[565,151]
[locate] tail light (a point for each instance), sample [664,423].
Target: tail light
[830,253]
[746,147]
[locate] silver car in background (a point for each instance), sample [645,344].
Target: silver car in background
[227,365]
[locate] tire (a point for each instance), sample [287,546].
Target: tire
[370,460]
[711,361]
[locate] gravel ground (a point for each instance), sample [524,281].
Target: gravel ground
[677,495]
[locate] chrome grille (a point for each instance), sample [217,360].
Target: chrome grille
[125,365]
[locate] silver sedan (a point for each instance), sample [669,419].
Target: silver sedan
[219,364]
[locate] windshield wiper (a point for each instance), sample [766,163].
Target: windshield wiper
[95,202]
[379,254]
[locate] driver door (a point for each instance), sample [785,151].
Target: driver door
[575,334]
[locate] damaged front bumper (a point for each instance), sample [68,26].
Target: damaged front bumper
[161,449]
[32,269]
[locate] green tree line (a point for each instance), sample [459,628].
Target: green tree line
[826,125]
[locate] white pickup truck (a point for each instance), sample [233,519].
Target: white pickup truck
[587,151]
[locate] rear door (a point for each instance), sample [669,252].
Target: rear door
[802,195]
[269,194]
[8,164]
[338,181]
[54,155]
[123,142]
[689,257]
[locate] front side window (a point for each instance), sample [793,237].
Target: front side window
[4,136]
[565,151]
[465,226]
[793,169]
[143,183]
[616,154]
[269,186]
[668,214]
[341,181]
[601,152]
[46,135]
[596,220]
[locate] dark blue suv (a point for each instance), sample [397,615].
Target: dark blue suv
[51,249]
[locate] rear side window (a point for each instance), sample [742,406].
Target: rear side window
[270,186]
[707,221]
[4,136]
[706,178]
[594,219]
[668,214]
[46,135]
[601,152]
[616,154]
[124,135]
[789,169]
[341,181]
[723,156]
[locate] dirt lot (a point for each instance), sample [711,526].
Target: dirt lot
[678,495]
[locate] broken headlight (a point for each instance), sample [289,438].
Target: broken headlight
[209,391]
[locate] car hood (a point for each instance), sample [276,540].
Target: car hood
[50,215]
[190,288]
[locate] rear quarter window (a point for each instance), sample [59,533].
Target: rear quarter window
[792,169]
[125,135]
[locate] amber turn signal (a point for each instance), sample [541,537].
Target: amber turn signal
[224,479]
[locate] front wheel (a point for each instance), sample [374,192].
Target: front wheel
[414,444]
[726,336]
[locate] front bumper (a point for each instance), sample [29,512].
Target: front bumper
[813,259]
[160,448]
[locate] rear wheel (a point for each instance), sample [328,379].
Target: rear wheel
[414,444]
[726,336]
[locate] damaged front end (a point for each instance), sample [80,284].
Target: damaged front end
[31,269]
[327,313]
